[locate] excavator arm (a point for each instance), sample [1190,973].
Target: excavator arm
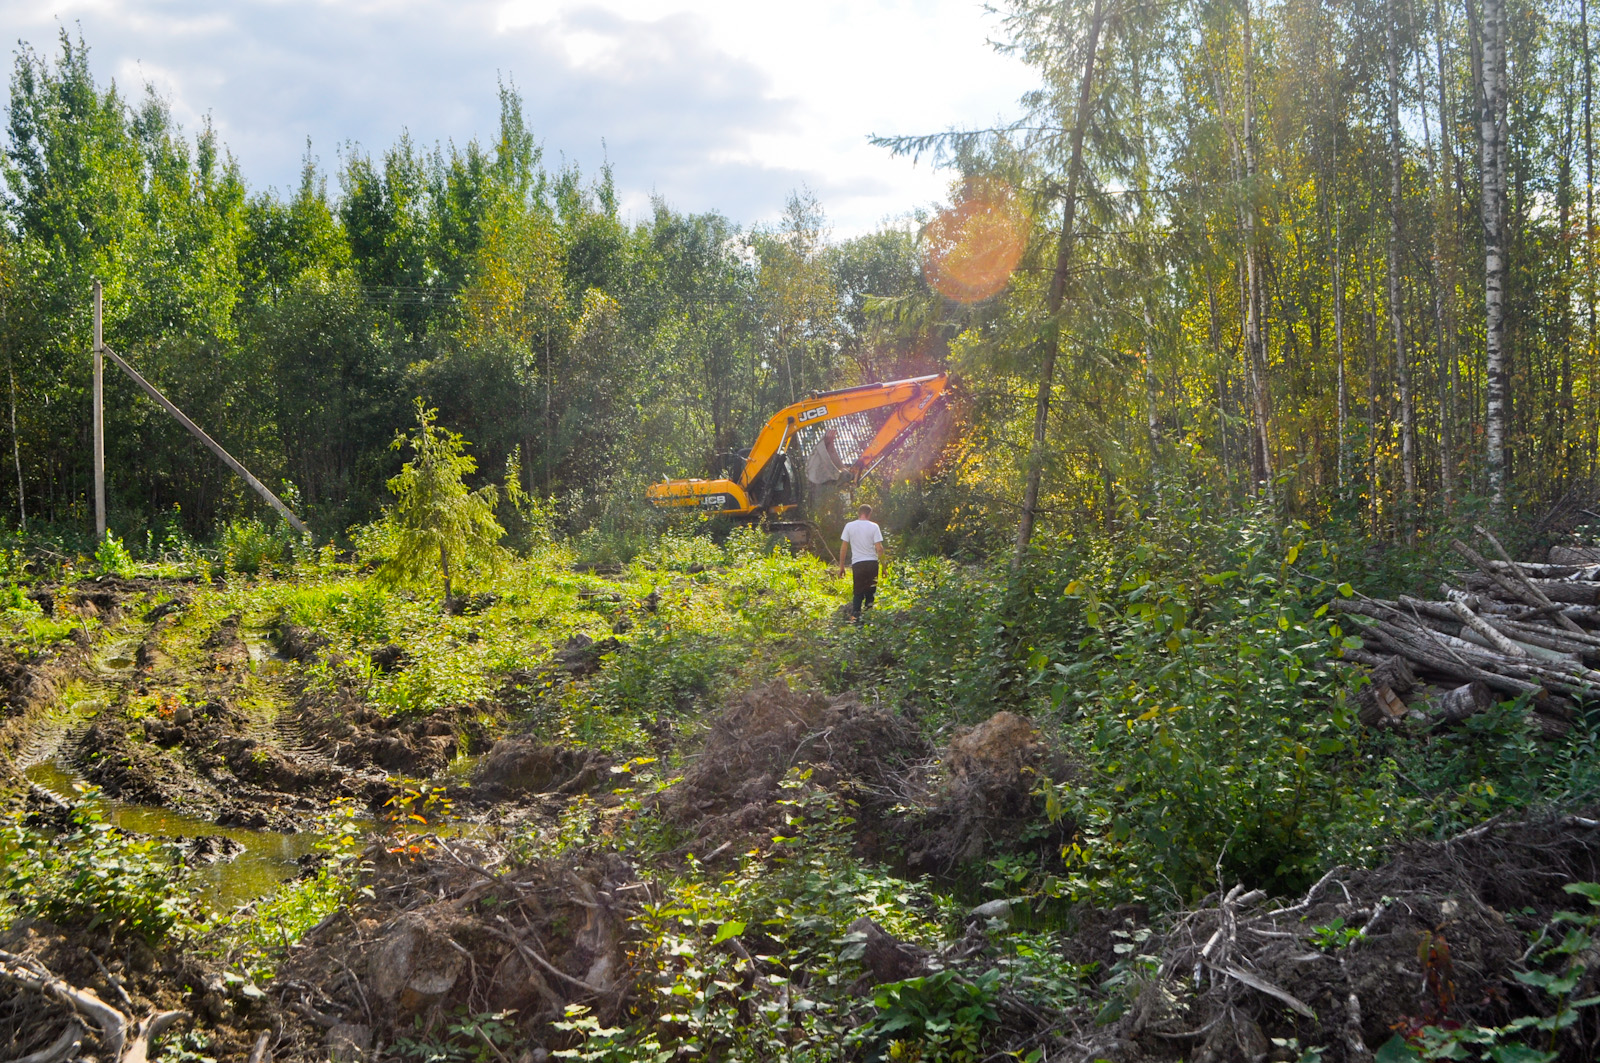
[909,401]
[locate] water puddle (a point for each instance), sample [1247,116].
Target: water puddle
[264,656]
[267,859]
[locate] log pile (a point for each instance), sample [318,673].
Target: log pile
[1503,629]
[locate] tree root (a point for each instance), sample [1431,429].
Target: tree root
[114,1025]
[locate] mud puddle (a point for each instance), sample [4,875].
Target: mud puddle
[230,865]
[265,859]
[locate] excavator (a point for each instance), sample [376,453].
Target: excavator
[868,422]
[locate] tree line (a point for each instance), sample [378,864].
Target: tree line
[590,353]
[1337,256]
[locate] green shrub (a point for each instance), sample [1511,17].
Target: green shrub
[112,557]
[94,875]
[250,545]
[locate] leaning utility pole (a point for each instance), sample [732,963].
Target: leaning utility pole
[99,425]
[100,349]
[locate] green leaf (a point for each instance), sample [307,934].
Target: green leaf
[731,929]
[1590,890]
[1347,590]
[1395,1050]
[1521,1054]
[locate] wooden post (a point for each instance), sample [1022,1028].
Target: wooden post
[99,426]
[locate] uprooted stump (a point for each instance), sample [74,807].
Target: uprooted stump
[1433,937]
[731,788]
[987,796]
[445,932]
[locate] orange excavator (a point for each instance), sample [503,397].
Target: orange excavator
[867,423]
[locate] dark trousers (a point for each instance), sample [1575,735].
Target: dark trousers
[866,586]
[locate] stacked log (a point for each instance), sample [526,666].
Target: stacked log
[1502,629]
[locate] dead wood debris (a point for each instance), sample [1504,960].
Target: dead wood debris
[121,1038]
[1436,935]
[1505,628]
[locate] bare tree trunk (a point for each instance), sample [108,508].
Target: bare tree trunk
[1402,366]
[1058,291]
[1445,276]
[16,450]
[1222,378]
[1338,345]
[1372,407]
[1491,142]
[1255,338]
[1588,229]
[1152,421]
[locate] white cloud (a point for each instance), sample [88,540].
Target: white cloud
[714,104]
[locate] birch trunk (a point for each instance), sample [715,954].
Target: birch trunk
[1402,367]
[1058,290]
[1255,333]
[1491,146]
[1445,276]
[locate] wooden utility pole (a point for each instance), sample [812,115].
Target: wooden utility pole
[99,425]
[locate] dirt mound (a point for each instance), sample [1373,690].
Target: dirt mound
[447,932]
[581,655]
[298,643]
[523,765]
[135,771]
[389,658]
[21,682]
[361,738]
[1436,936]
[986,801]
[864,752]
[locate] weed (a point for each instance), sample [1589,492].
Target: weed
[112,557]
[943,1014]
[94,875]
[468,1038]
[1334,936]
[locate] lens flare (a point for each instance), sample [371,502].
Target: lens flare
[973,247]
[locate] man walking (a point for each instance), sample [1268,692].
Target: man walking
[862,542]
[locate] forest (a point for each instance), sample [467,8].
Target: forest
[1231,688]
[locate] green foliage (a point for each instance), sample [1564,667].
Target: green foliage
[259,935]
[1335,935]
[441,527]
[468,1038]
[943,1014]
[251,546]
[94,875]
[112,557]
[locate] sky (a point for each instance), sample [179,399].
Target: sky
[722,105]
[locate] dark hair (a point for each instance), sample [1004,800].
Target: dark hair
[863,510]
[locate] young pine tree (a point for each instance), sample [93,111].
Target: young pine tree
[440,522]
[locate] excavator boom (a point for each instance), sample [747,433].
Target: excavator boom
[909,402]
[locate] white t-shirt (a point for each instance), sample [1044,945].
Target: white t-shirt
[862,537]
